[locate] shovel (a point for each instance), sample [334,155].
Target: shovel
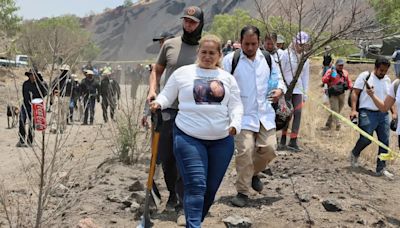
[145,221]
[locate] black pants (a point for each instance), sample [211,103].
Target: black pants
[108,101]
[166,155]
[23,117]
[89,105]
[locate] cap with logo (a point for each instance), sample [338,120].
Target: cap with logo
[194,13]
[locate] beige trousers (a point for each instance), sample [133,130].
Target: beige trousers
[254,151]
[60,112]
[337,103]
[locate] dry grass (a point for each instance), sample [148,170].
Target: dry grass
[338,142]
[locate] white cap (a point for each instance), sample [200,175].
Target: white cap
[65,67]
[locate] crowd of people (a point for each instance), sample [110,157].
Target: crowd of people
[67,94]
[216,98]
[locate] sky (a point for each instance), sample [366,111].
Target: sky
[36,9]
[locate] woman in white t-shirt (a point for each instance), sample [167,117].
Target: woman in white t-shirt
[210,113]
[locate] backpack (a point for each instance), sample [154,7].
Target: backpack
[358,100]
[236,57]
[283,108]
[340,87]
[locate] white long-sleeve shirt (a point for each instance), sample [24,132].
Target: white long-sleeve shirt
[289,64]
[252,78]
[209,101]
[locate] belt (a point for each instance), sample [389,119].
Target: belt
[364,109]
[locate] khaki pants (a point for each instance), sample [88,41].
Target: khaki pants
[59,114]
[254,151]
[337,103]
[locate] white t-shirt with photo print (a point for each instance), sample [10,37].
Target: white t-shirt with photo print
[209,101]
[395,96]
[381,87]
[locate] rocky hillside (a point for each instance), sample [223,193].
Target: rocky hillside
[126,33]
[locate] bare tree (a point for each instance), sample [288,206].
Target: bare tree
[324,21]
[48,164]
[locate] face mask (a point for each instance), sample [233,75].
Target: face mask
[193,38]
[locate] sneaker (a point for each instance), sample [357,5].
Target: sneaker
[84,123]
[293,145]
[171,203]
[385,173]
[294,148]
[21,144]
[353,160]
[256,184]
[240,200]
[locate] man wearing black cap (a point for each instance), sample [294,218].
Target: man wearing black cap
[163,37]
[34,87]
[176,52]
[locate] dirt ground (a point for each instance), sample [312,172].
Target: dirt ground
[104,188]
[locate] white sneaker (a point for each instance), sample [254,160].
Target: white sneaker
[353,160]
[385,173]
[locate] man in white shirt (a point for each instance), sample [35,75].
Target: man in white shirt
[271,48]
[256,142]
[370,119]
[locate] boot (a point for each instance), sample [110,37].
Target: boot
[293,145]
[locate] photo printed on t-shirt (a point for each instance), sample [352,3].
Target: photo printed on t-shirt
[208,92]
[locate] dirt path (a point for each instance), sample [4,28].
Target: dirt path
[292,196]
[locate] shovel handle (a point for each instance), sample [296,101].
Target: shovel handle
[154,149]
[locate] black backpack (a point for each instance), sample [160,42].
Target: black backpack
[358,100]
[284,108]
[236,57]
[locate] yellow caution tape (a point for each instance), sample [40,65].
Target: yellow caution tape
[391,155]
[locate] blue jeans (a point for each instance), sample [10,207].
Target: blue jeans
[202,165]
[397,69]
[370,121]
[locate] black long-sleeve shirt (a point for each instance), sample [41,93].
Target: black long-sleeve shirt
[89,88]
[109,88]
[32,90]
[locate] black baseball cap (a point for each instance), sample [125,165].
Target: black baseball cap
[163,35]
[194,13]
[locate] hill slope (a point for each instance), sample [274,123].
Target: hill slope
[126,33]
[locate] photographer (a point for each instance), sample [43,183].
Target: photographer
[338,82]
